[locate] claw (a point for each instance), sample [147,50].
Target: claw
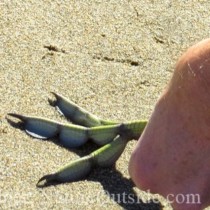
[73,171]
[104,157]
[38,127]
[49,179]
[75,113]
[70,136]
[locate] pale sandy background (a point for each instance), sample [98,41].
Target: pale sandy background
[114,58]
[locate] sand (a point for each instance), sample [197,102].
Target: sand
[113,58]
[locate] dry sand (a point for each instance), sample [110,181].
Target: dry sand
[112,57]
